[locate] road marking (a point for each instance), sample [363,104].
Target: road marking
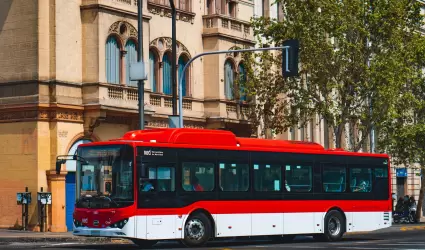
[360,232]
[64,244]
[401,244]
[360,247]
[412,228]
[405,242]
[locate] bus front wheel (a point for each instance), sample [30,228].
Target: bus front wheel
[197,230]
[334,227]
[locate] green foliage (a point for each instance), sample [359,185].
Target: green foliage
[352,54]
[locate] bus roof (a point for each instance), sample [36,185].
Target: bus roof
[222,138]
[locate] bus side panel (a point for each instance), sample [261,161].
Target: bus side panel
[161,227]
[267,224]
[367,221]
[141,227]
[298,223]
[229,225]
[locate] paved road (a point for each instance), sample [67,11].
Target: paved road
[402,238]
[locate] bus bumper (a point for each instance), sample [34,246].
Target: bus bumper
[96,232]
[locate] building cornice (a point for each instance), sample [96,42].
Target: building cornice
[102,7]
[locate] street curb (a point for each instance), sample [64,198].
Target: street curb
[54,239]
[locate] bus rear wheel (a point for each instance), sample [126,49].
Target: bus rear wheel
[334,227]
[197,230]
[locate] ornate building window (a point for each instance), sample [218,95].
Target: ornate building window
[113,60]
[121,50]
[131,57]
[160,66]
[234,69]
[153,72]
[166,73]
[182,62]
[229,79]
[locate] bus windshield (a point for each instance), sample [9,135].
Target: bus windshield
[105,176]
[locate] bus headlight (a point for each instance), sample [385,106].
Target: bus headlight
[120,224]
[77,223]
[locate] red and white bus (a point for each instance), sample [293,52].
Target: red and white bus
[195,185]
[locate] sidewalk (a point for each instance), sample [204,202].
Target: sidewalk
[27,236]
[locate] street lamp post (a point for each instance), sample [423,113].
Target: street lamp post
[173,56]
[140,83]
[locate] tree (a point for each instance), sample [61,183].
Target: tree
[403,135]
[355,57]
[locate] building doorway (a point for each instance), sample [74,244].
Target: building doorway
[70,185]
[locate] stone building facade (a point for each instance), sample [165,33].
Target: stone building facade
[64,81]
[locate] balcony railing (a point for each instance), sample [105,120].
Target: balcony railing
[227,25]
[227,109]
[123,97]
[162,101]
[183,5]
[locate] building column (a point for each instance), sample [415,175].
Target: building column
[57,216]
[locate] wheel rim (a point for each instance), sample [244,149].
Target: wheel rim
[195,229]
[334,226]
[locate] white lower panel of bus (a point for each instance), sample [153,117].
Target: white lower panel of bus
[232,225]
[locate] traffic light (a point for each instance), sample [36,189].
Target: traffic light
[290,58]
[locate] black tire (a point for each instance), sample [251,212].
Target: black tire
[144,243]
[335,227]
[197,230]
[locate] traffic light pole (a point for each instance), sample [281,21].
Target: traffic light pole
[173,56]
[140,83]
[288,68]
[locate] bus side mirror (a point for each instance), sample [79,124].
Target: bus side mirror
[58,167]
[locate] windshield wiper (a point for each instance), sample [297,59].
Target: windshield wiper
[112,200]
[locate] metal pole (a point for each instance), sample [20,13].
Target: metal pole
[26,209]
[140,83]
[41,214]
[181,77]
[174,56]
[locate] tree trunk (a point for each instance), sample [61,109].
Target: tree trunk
[421,193]
[338,135]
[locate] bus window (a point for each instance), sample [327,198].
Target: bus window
[361,179]
[160,179]
[267,177]
[234,177]
[298,178]
[381,172]
[198,176]
[334,179]
[380,187]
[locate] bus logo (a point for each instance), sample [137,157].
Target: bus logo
[153,153]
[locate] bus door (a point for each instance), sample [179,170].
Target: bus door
[157,197]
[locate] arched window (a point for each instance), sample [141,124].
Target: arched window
[242,81]
[71,164]
[228,80]
[185,83]
[166,74]
[131,57]
[112,60]
[153,69]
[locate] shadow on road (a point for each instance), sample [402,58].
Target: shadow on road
[219,243]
